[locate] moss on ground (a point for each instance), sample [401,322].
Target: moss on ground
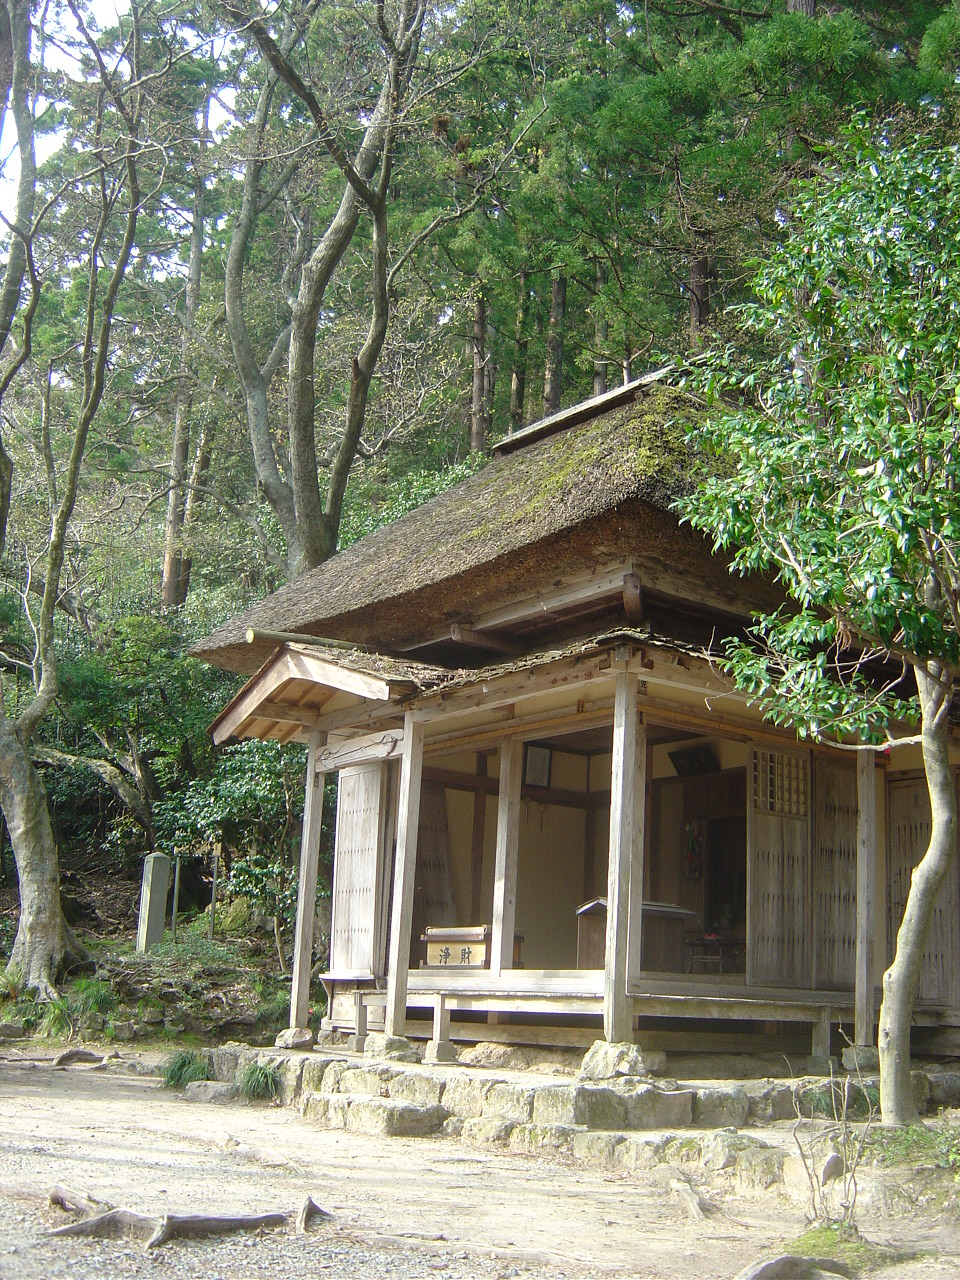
[845,1245]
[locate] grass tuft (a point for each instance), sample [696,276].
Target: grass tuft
[259,1082]
[55,1020]
[183,1068]
[92,995]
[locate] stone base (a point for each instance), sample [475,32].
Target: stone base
[440,1051]
[817,1066]
[605,1061]
[380,1045]
[356,1043]
[295,1038]
[861,1057]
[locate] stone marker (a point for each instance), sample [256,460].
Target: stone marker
[153,900]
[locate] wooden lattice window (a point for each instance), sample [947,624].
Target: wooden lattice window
[779,784]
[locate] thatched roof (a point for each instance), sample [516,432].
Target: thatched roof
[521,507]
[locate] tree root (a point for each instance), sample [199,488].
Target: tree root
[103,1221]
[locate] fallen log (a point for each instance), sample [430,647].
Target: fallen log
[76,1202]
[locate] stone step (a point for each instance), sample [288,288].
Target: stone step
[376,1117]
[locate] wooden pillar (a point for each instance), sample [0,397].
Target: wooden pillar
[404,874]
[476,844]
[307,888]
[508,841]
[624,798]
[866,888]
[639,795]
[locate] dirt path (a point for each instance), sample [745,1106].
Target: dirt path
[403,1208]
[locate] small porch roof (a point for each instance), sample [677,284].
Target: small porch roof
[300,682]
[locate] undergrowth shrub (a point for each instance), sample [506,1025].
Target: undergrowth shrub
[183,1068]
[259,1081]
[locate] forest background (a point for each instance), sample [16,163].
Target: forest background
[273,278]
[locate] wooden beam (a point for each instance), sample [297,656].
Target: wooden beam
[477,837]
[488,640]
[508,840]
[245,704]
[404,877]
[496,691]
[637,837]
[563,797]
[307,666]
[359,715]
[285,713]
[307,888]
[564,720]
[866,889]
[373,746]
[617,1007]
[633,598]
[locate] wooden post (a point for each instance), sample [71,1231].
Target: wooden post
[213,888]
[639,796]
[176,895]
[508,840]
[866,887]
[476,846]
[307,888]
[617,1009]
[404,875]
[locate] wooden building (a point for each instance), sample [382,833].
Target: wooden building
[539,766]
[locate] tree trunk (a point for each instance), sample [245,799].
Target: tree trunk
[479,358]
[172,585]
[627,365]
[900,982]
[553,373]
[806,7]
[518,378]
[45,945]
[699,297]
[201,465]
[600,334]
[489,379]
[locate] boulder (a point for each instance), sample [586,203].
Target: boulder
[944,1088]
[505,1101]
[312,1072]
[723,1149]
[384,1117]
[464,1094]
[453,1126]
[487,1130]
[769,1100]
[719,1108]
[152,1016]
[123,1030]
[531,1139]
[440,1051]
[860,1057]
[596,1147]
[604,1061]
[760,1167]
[295,1038]
[12,1030]
[639,1151]
[373,1081]
[419,1087]
[647,1106]
[224,1062]
[210,1091]
[327,1111]
[505,1057]
[789,1267]
[380,1045]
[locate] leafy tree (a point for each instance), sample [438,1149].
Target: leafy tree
[843,481]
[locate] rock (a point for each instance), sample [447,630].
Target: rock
[332,1075]
[860,1057]
[817,1066]
[464,1095]
[833,1168]
[768,1100]
[327,1111]
[534,1138]
[489,1054]
[152,1015]
[373,1081]
[123,1030]
[944,1088]
[175,1025]
[648,1106]
[722,1149]
[384,1117]
[295,1038]
[223,1062]
[487,1130]
[12,1031]
[760,1167]
[720,1108]
[504,1101]
[593,1106]
[210,1091]
[790,1267]
[597,1148]
[312,1072]
[639,1151]
[921,1089]
[380,1045]
[440,1051]
[418,1087]
[604,1061]
[453,1126]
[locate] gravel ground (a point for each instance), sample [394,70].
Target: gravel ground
[402,1208]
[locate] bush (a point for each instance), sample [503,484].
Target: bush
[183,1068]
[92,995]
[259,1081]
[55,1020]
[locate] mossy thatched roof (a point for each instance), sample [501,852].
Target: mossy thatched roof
[635,453]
